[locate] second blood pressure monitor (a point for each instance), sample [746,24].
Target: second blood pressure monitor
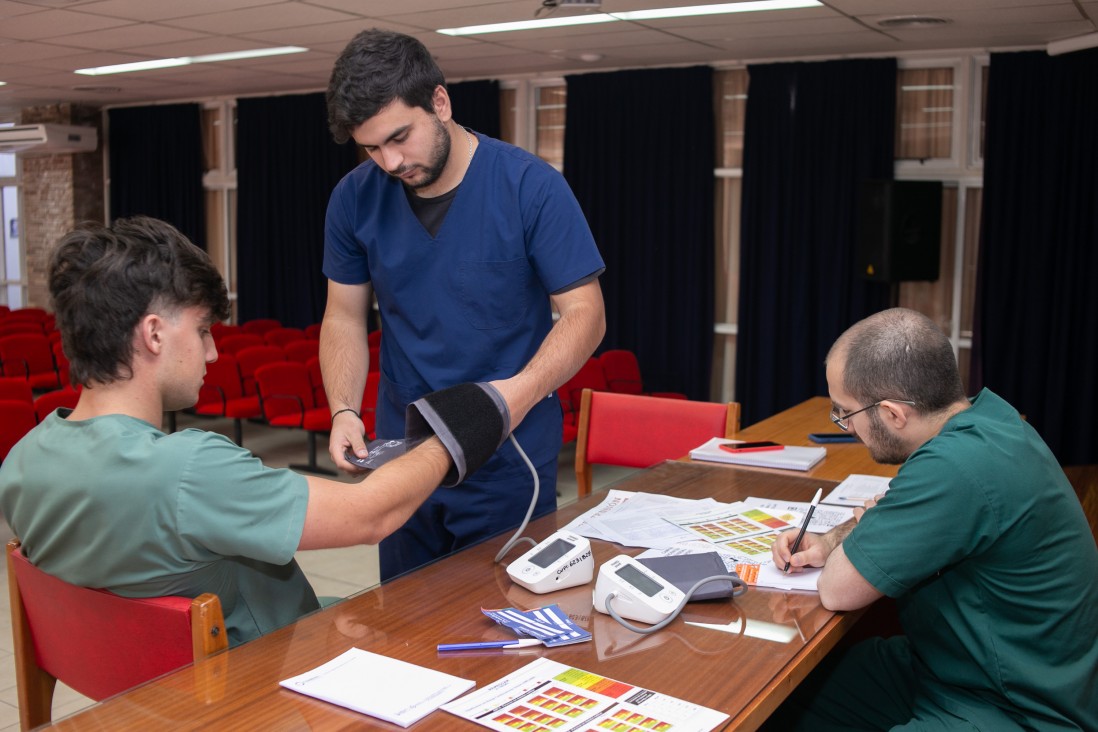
[562,560]
[635,591]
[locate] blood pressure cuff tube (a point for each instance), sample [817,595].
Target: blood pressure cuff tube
[471,420]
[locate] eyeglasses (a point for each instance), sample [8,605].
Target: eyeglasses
[841,421]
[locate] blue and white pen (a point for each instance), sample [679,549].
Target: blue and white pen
[505,644]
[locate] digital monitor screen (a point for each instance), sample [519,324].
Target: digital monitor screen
[639,579]
[551,553]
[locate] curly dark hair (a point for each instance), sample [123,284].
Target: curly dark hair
[375,68]
[104,279]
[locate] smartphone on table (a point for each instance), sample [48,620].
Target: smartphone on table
[832,437]
[751,446]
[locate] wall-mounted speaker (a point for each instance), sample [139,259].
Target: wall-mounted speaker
[900,230]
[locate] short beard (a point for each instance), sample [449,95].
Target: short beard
[887,448]
[440,155]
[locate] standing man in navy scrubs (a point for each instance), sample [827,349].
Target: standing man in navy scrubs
[469,244]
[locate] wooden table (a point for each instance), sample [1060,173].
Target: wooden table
[744,676]
[793,426]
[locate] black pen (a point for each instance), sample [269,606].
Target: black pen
[804,526]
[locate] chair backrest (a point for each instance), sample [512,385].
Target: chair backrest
[27,354]
[95,641]
[17,418]
[284,390]
[312,331]
[51,400]
[622,371]
[637,431]
[259,326]
[589,376]
[34,314]
[224,330]
[249,359]
[316,378]
[281,336]
[12,387]
[302,350]
[19,326]
[238,342]
[221,383]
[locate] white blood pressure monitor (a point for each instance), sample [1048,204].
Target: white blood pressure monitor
[638,592]
[562,560]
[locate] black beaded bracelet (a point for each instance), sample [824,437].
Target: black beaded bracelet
[345,409]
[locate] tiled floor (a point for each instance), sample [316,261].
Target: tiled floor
[333,572]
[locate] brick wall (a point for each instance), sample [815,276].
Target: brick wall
[58,192]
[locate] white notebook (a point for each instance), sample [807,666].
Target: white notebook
[382,687]
[788,458]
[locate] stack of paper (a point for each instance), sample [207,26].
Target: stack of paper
[857,489]
[382,687]
[789,457]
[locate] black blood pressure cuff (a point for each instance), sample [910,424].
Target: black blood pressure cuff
[471,420]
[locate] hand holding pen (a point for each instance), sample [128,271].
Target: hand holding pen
[804,527]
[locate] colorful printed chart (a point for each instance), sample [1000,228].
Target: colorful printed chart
[545,696]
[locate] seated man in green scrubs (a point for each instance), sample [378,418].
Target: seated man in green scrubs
[981,540]
[101,497]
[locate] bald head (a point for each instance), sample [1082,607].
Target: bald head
[898,354]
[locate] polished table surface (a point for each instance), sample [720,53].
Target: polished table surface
[792,427]
[740,673]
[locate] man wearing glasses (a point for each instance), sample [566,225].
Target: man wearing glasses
[980,539]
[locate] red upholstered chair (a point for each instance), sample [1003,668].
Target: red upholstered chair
[302,350]
[259,326]
[36,314]
[18,327]
[250,359]
[29,356]
[286,397]
[224,330]
[589,376]
[637,431]
[51,400]
[237,342]
[282,336]
[312,331]
[316,378]
[373,338]
[61,360]
[16,389]
[623,374]
[16,419]
[97,642]
[222,395]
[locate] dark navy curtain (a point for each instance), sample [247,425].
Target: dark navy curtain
[639,154]
[813,133]
[156,166]
[476,105]
[287,165]
[1036,339]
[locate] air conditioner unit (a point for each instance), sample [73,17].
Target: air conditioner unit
[48,139]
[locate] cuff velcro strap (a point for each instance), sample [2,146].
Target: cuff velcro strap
[471,420]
